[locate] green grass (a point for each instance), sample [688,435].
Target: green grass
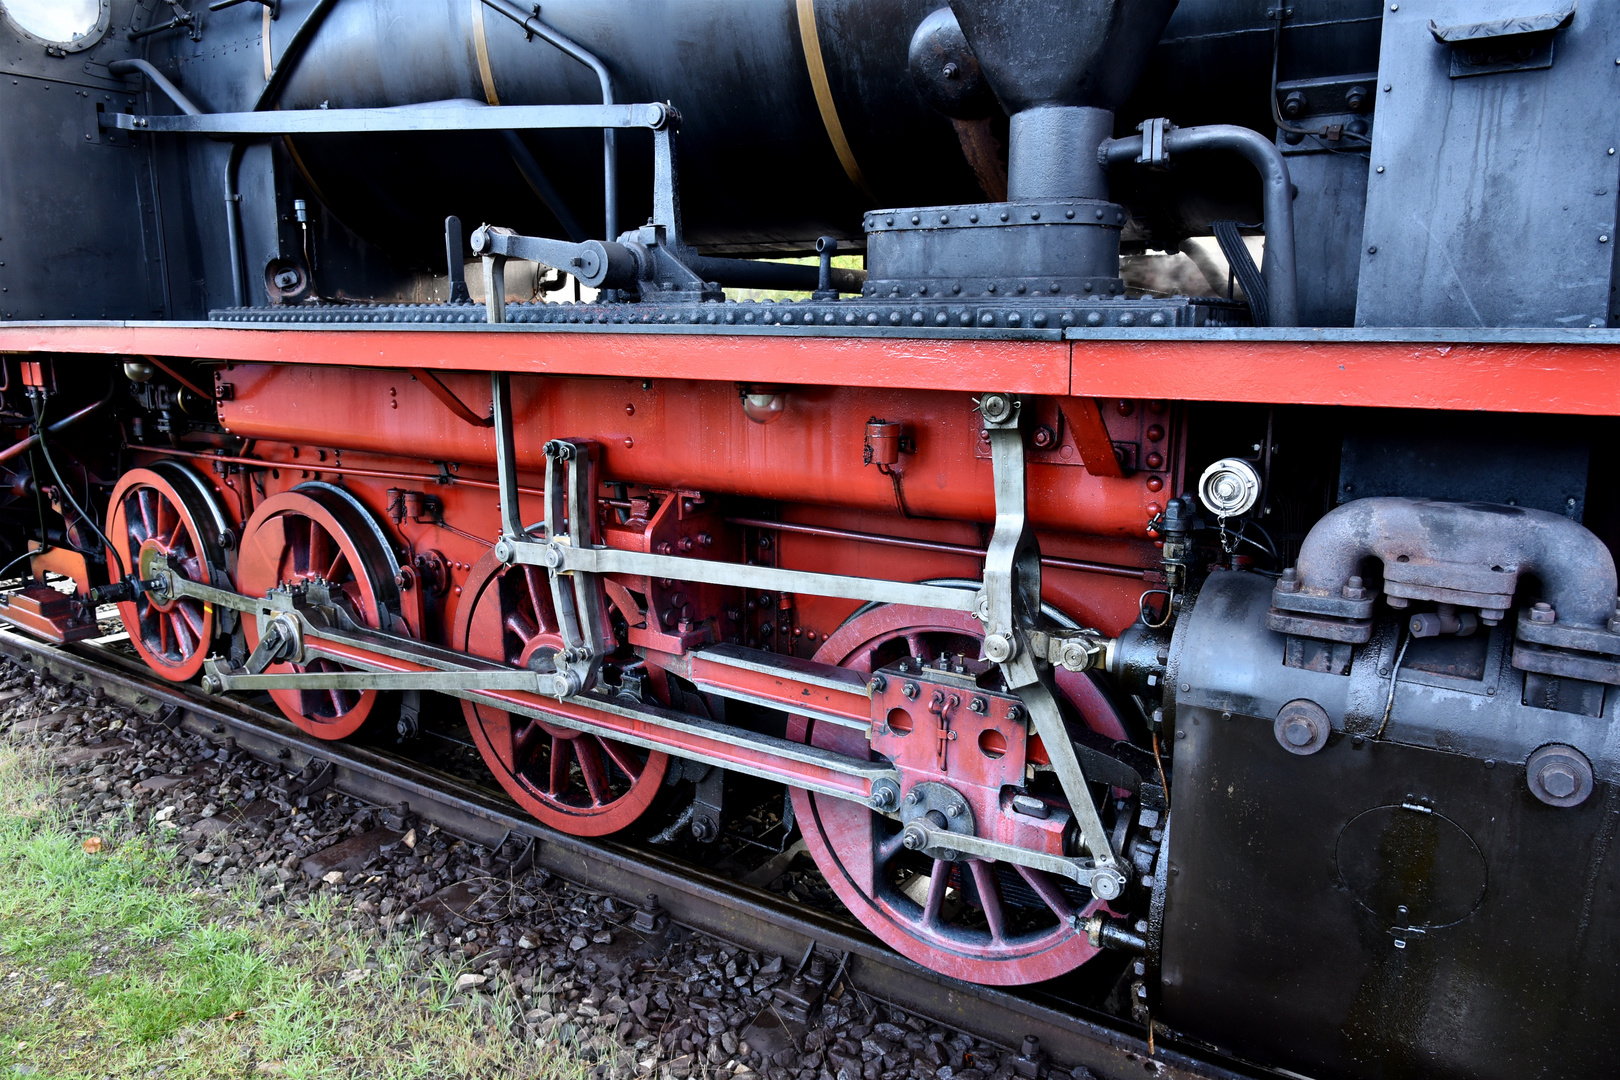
[116,964]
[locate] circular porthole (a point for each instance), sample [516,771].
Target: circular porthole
[64,25]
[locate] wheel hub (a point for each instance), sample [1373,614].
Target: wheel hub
[574,781]
[169,511]
[976,920]
[319,534]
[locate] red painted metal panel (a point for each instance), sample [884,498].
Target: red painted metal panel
[1569,379]
[1551,378]
[1029,367]
[688,435]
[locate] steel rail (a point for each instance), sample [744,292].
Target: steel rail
[693,897]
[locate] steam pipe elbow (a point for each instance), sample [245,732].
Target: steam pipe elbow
[1278,191]
[1468,554]
[1277,187]
[159,80]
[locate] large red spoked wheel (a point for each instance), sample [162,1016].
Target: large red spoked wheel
[575,782]
[166,510]
[320,533]
[982,922]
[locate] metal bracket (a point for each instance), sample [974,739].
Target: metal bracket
[316,775]
[1010,607]
[577,596]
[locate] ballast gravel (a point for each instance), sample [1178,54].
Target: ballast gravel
[678,1004]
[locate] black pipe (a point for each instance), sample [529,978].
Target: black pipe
[159,80]
[763,274]
[233,221]
[1278,190]
[530,21]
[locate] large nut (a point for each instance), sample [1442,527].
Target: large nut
[996,407]
[1559,775]
[1302,727]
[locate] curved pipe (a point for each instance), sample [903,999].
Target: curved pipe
[63,424]
[1469,554]
[159,80]
[1279,270]
[610,154]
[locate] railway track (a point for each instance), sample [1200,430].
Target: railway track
[692,896]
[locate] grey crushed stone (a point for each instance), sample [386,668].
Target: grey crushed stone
[678,1004]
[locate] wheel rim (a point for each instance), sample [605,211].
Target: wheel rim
[571,780]
[978,921]
[318,533]
[166,510]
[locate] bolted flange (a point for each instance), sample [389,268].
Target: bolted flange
[1302,727]
[885,796]
[1559,775]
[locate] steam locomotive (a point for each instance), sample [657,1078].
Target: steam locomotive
[882,401]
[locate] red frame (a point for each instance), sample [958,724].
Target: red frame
[1565,377]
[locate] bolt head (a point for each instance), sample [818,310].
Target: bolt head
[1302,727]
[998,648]
[1106,885]
[995,407]
[1559,775]
[1559,780]
[1543,613]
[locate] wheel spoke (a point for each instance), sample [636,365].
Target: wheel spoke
[539,590]
[590,766]
[145,497]
[562,753]
[163,633]
[525,743]
[984,881]
[914,644]
[886,849]
[185,641]
[518,624]
[192,613]
[339,707]
[319,553]
[166,518]
[624,757]
[1043,886]
[937,882]
[171,536]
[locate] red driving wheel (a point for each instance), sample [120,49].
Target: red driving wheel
[320,533]
[975,920]
[166,510]
[571,780]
